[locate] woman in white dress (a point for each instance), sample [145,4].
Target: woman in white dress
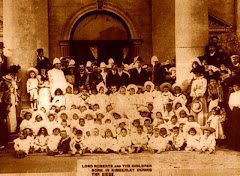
[198,91]
[57,77]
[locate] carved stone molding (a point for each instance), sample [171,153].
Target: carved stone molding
[100,4]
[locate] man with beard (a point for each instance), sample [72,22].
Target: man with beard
[82,76]
[213,57]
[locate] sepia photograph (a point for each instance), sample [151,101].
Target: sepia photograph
[120,87]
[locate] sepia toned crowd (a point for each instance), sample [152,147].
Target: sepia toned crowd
[130,108]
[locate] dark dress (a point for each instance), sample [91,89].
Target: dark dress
[234,132]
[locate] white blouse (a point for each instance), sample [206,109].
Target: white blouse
[234,100]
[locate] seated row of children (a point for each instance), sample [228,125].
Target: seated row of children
[111,132]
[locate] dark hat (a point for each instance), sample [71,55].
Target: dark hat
[40,50]
[215,76]
[198,69]
[138,58]
[14,69]
[1,45]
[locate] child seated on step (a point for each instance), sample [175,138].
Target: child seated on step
[63,145]
[207,140]
[139,140]
[77,144]
[21,146]
[53,141]
[124,142]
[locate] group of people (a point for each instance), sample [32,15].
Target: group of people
[98,107]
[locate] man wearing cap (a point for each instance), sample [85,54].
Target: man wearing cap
[3,61]
[41,60]
[235,65]
[56,77]
[138,75]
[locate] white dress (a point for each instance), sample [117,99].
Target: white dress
[215,122]
[57,80]
[44,92]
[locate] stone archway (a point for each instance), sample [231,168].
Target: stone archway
[108,7]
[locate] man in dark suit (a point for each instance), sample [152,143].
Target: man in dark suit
[41,60]
[138,75]
[123,78]
[82,78]
[3,61]
[112,77]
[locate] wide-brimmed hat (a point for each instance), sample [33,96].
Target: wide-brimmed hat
[166,84]
[32,69]
[24,111]
[177,85]
[132,86]
[196,106]
[188,126]
[207,127]
[150,84]
[14,69]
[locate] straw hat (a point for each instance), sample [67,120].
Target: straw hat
[188,126]
[166,84]
[207,127]
[177,85]
[32,69]
[132,86]
[24,111]
[196,106]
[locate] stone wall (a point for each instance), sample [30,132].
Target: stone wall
[139,13]
[224,9]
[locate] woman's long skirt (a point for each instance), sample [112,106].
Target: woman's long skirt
[234,129]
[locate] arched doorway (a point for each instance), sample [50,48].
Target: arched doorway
[98,36]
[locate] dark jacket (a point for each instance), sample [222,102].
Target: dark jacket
[138,78]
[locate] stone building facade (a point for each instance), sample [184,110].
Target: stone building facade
[166,28]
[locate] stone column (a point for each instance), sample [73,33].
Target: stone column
[191,33]
[25,29]
[163,29]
